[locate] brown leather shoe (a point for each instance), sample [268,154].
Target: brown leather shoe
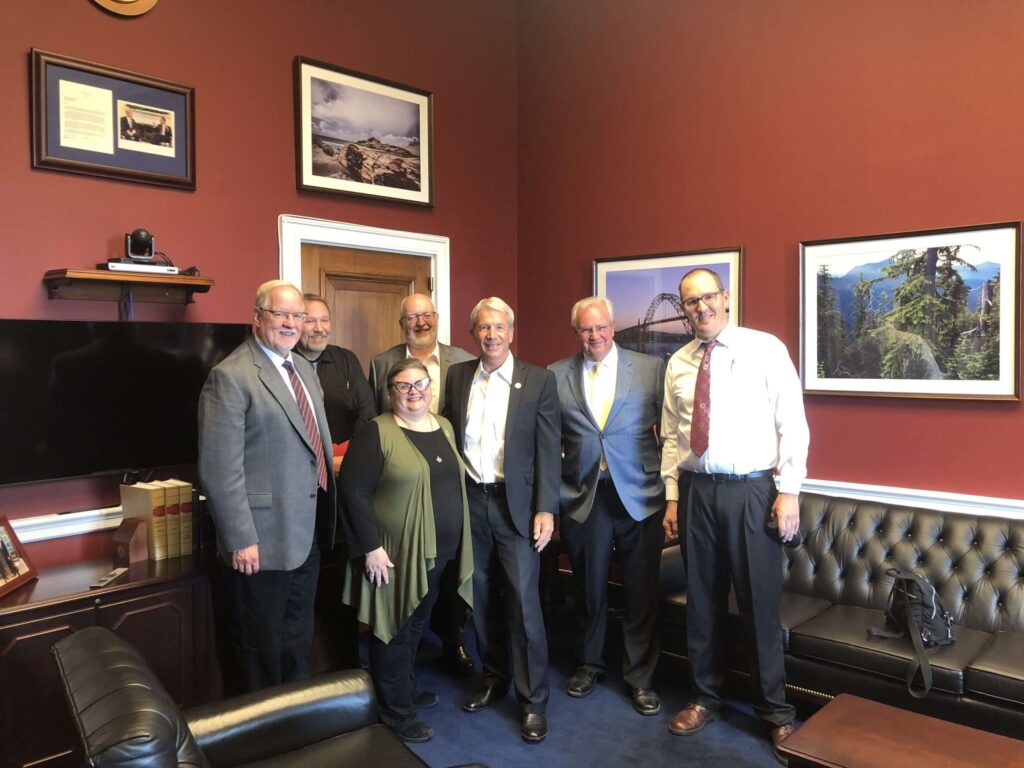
[690,720]
[779,735]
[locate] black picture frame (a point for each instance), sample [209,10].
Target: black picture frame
[79,110]
[356,134]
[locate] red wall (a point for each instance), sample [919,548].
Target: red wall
[238,55]
[650,127]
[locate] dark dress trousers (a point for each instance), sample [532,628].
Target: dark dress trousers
[511,637]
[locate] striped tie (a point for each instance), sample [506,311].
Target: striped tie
[307,418]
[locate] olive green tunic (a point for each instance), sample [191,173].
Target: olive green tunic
[405,517]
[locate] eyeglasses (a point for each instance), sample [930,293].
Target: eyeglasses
[419,316]
[277,314]
[404,387]
[310,320]
[709,299]
[594,330]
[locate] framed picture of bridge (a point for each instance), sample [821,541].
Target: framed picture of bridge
[644,290]
[931,314]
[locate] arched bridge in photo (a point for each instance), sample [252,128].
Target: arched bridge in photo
[641,331]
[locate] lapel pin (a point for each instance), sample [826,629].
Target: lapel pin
[518,385]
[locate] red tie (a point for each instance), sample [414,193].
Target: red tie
[700,425]
[310,422]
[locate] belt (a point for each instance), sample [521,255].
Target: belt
[485,488]
[722,477]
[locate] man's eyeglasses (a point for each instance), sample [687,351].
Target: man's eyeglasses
[404,387]
[310,320]
[709,299]
[419,316]
[594,330]
[278,314]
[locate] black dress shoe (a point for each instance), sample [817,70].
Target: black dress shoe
[425,699]
[415,732]
[535,726]
[457,661]
[646,701]
[483,698]
[582,683]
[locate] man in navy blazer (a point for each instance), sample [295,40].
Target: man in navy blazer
[612,494]
[505,414]
[269,487]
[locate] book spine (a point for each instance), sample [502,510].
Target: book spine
[158,533]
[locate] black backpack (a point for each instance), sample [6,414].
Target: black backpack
[915,610]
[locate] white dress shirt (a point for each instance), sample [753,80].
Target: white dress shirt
[279,362]
[485,422]
[599,384]
[433,365]
[757,411]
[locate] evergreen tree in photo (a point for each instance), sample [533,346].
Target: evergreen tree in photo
[831,330]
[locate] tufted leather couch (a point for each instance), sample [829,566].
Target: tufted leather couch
[836,587]
[125,717]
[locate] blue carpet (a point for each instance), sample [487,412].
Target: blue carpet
[599,731]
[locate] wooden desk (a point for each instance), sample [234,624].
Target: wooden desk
[851,732]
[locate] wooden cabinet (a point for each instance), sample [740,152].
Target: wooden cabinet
[161,608]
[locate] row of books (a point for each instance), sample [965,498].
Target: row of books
[166,506]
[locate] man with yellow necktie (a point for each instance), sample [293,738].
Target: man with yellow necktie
[612,495]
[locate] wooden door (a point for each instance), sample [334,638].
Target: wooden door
[364,290]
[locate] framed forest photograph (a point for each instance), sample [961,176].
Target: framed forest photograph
[644,290]
[917,314]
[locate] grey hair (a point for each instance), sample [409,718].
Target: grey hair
[494,304]
[264,291]
[591,301]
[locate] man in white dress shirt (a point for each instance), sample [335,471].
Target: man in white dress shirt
[733,420]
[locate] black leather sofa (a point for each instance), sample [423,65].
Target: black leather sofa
[837,587]
[125,717]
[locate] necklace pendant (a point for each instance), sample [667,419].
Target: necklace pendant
[438,459]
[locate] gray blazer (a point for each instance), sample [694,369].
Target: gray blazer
[381,364]
[628,439]
[256,463]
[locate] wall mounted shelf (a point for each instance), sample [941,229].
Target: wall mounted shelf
[123,287]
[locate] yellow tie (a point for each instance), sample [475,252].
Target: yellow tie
[600,403]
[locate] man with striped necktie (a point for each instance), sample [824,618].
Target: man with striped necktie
[263,448]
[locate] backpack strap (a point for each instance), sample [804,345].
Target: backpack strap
[918,661]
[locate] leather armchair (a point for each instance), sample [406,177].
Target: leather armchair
[125,717]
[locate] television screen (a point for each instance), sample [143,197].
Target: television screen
[87,398]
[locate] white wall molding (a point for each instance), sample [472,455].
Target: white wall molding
[293,231]
[46,527]
[942,501]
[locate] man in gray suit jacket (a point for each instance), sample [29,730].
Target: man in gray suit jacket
[418,321]
[612,494]
[264,445]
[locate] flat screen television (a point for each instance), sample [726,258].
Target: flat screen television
[91,398]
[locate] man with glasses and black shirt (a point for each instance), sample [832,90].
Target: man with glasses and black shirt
[418,321]
[733,422]
[264,445]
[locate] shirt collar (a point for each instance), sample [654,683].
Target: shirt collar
[275,358]
[433,352]
[611,360]
[724,338]
[504,371]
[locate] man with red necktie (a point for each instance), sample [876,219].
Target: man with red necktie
[263,448]
[733,421]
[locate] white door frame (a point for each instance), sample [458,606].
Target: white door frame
[293,231]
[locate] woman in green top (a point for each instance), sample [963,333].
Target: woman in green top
[404,517]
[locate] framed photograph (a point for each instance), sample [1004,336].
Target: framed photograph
[644,291]
[94,119]
[360,135]
[915,314]
[15,569]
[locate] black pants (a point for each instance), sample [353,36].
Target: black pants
[725,541]
[270,614]
[638,544]
[451,614]
[393,664]
[506,601]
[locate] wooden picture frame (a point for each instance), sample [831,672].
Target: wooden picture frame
[644,290]
[362,135]
[15,567]
[930,314]
[97,120]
